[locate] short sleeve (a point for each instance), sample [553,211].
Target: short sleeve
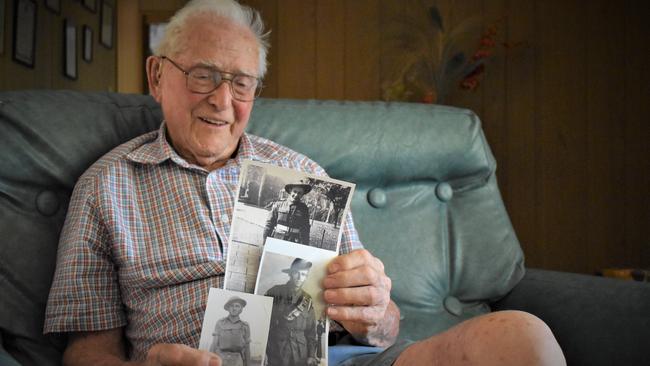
[85,293]
[349,237]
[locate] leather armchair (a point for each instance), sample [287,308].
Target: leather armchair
[427,203]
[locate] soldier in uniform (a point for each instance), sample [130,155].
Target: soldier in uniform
[232,336]
[289,219]
[293,340]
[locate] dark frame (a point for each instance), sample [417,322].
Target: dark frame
[24,46]
[2,26]
[87,54]
[90,5]
[54,6]
[70,69]
[106,20]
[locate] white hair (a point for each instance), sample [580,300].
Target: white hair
[229,9]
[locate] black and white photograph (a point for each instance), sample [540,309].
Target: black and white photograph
[285,204]
[2,27]
[87,54]
[24,51]
[70,49]
[236,327]
[106,25]
[292,275]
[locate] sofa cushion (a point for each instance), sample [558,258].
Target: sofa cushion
[426,201]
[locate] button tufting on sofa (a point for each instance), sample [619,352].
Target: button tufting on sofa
[377,198]
[47,203]
[453,305]
[444,192]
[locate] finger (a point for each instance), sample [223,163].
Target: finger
[357,296]
[181,355]
[360,276]
[369,315]
[354,259]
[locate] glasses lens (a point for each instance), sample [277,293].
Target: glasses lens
[244,86]
[203,80]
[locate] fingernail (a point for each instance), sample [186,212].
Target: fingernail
[332,311]
[215,362]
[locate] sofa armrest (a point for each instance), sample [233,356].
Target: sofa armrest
[596,320]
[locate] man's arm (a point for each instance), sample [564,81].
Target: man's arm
[271,220]
[358,292]
[107,348]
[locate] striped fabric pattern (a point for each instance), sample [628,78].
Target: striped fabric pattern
[146,236]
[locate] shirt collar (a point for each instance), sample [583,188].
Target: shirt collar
[159,150]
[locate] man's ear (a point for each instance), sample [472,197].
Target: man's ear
[154,73]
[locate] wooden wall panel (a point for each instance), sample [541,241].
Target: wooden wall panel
[562,88]
[520,179]
[296,49]
[362,49]
[605,107]
[330,50]
[635,191]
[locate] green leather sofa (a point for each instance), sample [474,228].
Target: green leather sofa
[427,203]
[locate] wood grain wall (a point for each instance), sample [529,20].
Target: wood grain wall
[566,113]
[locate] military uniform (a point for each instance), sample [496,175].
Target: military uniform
[293,337]
[288,221]
[231,342]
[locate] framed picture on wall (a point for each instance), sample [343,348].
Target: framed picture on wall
[24,50]
[90,5]
[106,25]
[69,49]
[53,5]
[88,43]
[2,27]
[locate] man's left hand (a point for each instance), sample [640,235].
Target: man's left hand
[358,292]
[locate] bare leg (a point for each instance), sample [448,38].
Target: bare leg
[499,338]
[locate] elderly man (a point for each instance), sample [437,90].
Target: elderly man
[289,218]
[293,340]
[232,336]
[148,224]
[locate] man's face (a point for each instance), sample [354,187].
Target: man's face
[205,128]
[235,309]
[296,194]
[298,277]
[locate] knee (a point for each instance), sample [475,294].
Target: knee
[521,337]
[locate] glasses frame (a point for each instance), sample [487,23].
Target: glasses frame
[225,76]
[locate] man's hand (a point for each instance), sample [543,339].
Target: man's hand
[179,355]
[106,348]
[358,292]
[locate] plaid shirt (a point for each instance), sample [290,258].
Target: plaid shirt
[146,236]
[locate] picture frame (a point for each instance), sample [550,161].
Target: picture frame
[24,41]
[90,5]
[106,25]
[87,54]
[69,49]
[54,6]
[2,26]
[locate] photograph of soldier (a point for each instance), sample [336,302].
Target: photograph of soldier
[290,205]
[232,336]
[294,340]
[289,218]
[236,327]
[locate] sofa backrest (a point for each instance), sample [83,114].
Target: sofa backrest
[426,201]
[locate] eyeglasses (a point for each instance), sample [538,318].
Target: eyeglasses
[204,80]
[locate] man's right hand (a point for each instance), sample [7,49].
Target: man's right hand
[107,348]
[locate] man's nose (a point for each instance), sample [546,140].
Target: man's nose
[221,97]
